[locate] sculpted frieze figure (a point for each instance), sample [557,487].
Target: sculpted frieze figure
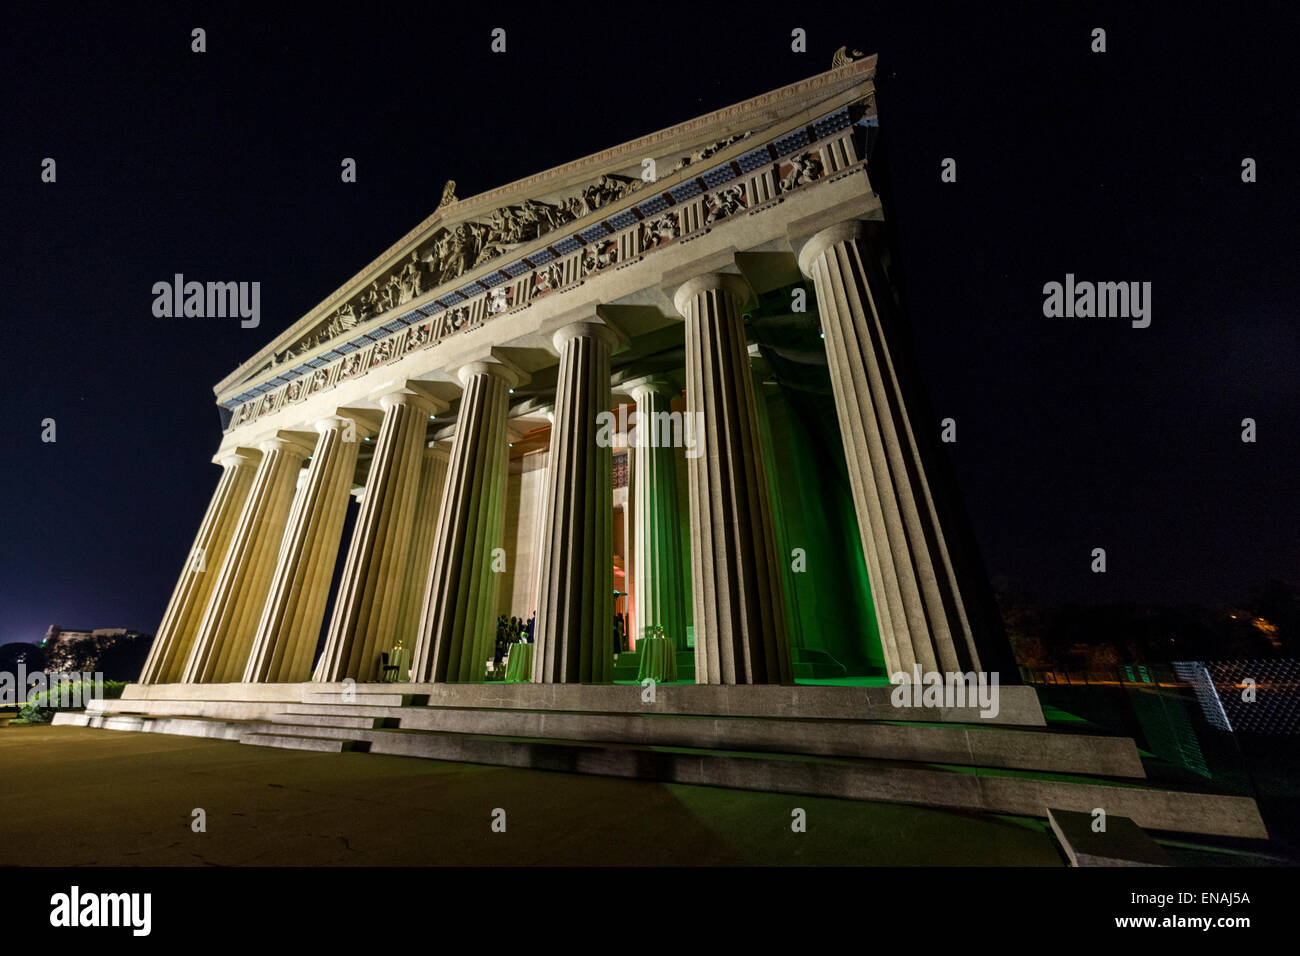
[499,299]
[370,301]
[351,365]
[660,229]
[410,279]
[800,169]
[599,255]
[548,279]
[388,296]
[418,335]
[706,151]
[542,217]
[724,203]
[456,318]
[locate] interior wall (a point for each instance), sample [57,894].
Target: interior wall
[830,600]
[525,486]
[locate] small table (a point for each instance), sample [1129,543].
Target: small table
[658,660]
[519,667]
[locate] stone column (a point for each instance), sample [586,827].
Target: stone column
[175,638]
[922,618]
[225,636]
[656,521]
[424,527]
[740,623]
[290,623]
[368,602]
[457,626]
[575,613]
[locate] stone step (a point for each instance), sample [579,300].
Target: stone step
[989,791]
[288,741]
[339,720]
[985,747]
[212,709]
[328,710]
[1017,705]
[142,723]
[387,698]
[1121,843]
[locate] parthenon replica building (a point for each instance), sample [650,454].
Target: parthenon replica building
[456,384]
[668,384]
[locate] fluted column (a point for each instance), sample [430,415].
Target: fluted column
[656,522]
[740,624]
[914,588]
[540,524]
[290,623]
[457,631]
[424,527]
[225,635]
[175,638]
[368,602]
[575,614]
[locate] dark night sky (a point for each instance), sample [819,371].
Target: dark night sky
[1072,433]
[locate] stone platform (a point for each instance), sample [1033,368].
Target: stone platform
[846,742]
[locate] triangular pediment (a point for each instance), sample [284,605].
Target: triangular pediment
[472,245]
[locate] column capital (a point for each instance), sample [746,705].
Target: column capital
[237,456]
[728,282]
[363,428]
[289,443]
[654,384]
[404,394]
[593,328]
[490,366]
[820,241]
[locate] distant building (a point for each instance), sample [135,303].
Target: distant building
[74,650]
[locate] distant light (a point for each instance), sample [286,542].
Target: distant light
[512,391]
[433,416]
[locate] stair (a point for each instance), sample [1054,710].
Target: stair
[843,742]
[317,743]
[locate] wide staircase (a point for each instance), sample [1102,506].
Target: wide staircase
[833,741]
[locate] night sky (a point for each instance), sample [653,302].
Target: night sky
[1072,433]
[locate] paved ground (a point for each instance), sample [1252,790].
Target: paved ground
[81,797]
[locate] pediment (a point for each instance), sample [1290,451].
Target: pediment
[481,243]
